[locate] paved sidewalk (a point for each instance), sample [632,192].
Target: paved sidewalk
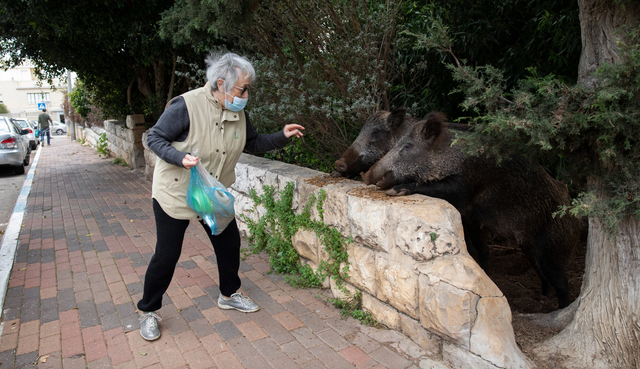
[85,242]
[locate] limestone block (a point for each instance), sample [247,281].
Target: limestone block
[447,310]
[462,272]
[137,136]
[427,229]
[457,357]
[307,244]
[368,222]
[303,194]
[243,182]
[382,312]
[432,364]
[492,336]
[397,285]
[133,120]
[425,339]
[362,267]
[336,205]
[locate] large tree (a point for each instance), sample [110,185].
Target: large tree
[114,47]
[605,331]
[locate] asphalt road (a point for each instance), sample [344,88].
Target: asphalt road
[10,186]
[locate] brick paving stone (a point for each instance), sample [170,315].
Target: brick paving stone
[171,358]
[26,360]
[314,322]
[247,353]
[50,344]
[7,359]
[201,327]
[288,320]
[389,358]
[227,330]
[366,343]
[191,314]
[358,357]
[198,359]
[227,360]
[251,331]
[333,339]
[330,358]
[306,337]
[27,344]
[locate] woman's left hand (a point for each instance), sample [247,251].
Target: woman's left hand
[293,130]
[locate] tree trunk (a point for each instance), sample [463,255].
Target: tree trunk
[599,20]
[605,331]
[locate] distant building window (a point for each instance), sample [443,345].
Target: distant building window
[42,97]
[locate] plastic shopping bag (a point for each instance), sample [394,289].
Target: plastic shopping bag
[210,199]
[37,132]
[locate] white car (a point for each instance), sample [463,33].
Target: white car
[25,124]
[58,128]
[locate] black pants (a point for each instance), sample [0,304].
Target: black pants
[170,235]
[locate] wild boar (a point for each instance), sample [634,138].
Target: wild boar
[378,135]
[514,200]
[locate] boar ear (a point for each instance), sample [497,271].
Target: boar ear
[433,125]
[397,117]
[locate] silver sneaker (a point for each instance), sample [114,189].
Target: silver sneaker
[149,329]
[239,302]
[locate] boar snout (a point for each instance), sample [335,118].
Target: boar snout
[384,181]
[341,165]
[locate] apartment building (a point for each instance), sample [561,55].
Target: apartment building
[21,92]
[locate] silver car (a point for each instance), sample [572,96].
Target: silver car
[24,124]
[58,128]
[14,145]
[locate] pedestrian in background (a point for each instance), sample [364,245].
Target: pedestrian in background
[44,120]
[212,122]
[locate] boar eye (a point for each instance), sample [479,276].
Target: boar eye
[407,146]
[375,135]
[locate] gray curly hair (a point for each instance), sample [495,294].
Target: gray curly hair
[227,66]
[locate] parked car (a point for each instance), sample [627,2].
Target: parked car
[25,124]
[14,145]
[58,128]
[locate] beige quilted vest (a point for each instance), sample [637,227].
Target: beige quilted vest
[218,134]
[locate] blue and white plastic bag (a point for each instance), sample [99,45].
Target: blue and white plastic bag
[210,199]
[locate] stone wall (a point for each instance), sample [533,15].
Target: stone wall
[409,260]
[124,139]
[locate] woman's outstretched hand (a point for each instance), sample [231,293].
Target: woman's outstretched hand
[189,161]
[293,130]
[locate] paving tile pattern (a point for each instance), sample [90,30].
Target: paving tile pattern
[84,246]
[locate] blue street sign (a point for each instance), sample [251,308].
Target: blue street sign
[42,106]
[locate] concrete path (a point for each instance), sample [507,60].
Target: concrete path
[86,238]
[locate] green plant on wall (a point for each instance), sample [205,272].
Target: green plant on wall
[273,233]
[102,144]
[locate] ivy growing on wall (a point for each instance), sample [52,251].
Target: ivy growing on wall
[273,233]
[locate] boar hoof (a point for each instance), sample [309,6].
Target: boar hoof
[335,175]
[393,192]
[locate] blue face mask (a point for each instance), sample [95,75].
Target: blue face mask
[238,103]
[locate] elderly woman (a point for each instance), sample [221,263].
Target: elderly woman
[212,121]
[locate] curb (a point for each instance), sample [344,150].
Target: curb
[12,232]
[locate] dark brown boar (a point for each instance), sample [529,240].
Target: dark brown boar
[513,200]
[377,136]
